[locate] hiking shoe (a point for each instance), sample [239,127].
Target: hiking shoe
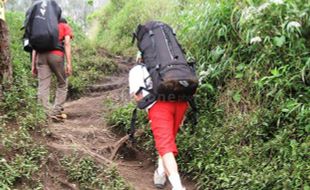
[159,180]
[58,118]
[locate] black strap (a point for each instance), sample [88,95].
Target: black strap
[134,36]
[143,88]
[132,129]
[151,33]
[140,31]
[192,104]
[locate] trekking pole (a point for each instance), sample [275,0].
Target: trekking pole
[192,104]
[132,130]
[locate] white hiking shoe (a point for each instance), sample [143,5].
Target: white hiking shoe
[159,180]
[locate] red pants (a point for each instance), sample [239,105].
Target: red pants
[166,118]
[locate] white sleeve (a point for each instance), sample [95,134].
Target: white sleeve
[136,79]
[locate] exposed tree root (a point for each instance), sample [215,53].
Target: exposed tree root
[121,142]
[58,178]
[75,146]
[102,160]
[88,151]
[66,183]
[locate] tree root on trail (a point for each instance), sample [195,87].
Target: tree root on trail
[114,149]
[66,183]
[58,178]
[99,158]
[120,143]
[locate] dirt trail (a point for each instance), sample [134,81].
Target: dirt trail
[86,131]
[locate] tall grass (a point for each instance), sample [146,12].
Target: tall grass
[120,18]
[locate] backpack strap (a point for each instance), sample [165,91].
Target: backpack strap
[141,30]
[192,104]
[151,33]
[132,130]
[134,36]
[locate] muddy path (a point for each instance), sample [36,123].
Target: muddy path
[86,131]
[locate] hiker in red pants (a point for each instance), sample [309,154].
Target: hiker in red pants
[166,118]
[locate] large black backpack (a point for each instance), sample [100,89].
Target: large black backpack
[41,26]
[173,78]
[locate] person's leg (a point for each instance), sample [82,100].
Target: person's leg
[161,116]
[181,108]
[57,66]
[44,77]
[160,166]
[169,158]
[162,123]
[178,116]
[172,170]
[160,177]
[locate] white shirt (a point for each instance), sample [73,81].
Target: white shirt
[137,76]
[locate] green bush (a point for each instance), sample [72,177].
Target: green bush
[90,66]
[20,100]
[122,18]
[121,117]
[20,156]
[258,115]
[89,175]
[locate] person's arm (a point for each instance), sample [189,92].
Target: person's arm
[135,82]
[138,96]
[139,57]
[67,45]
[33,63]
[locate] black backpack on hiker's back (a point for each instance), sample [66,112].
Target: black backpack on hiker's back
[41,26]
[173,78]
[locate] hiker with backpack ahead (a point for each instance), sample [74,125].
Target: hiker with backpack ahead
[162,83]
[50,37]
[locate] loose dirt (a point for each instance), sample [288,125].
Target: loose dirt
[86,131]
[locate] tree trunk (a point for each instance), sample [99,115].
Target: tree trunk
[5,58]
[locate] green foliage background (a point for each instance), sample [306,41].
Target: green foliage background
[253,99]
[90,63]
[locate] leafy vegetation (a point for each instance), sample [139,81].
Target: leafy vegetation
[91,175]
[90,65]
[119,18]
[254,67]
[20,156]
[120,116]
[120,119]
